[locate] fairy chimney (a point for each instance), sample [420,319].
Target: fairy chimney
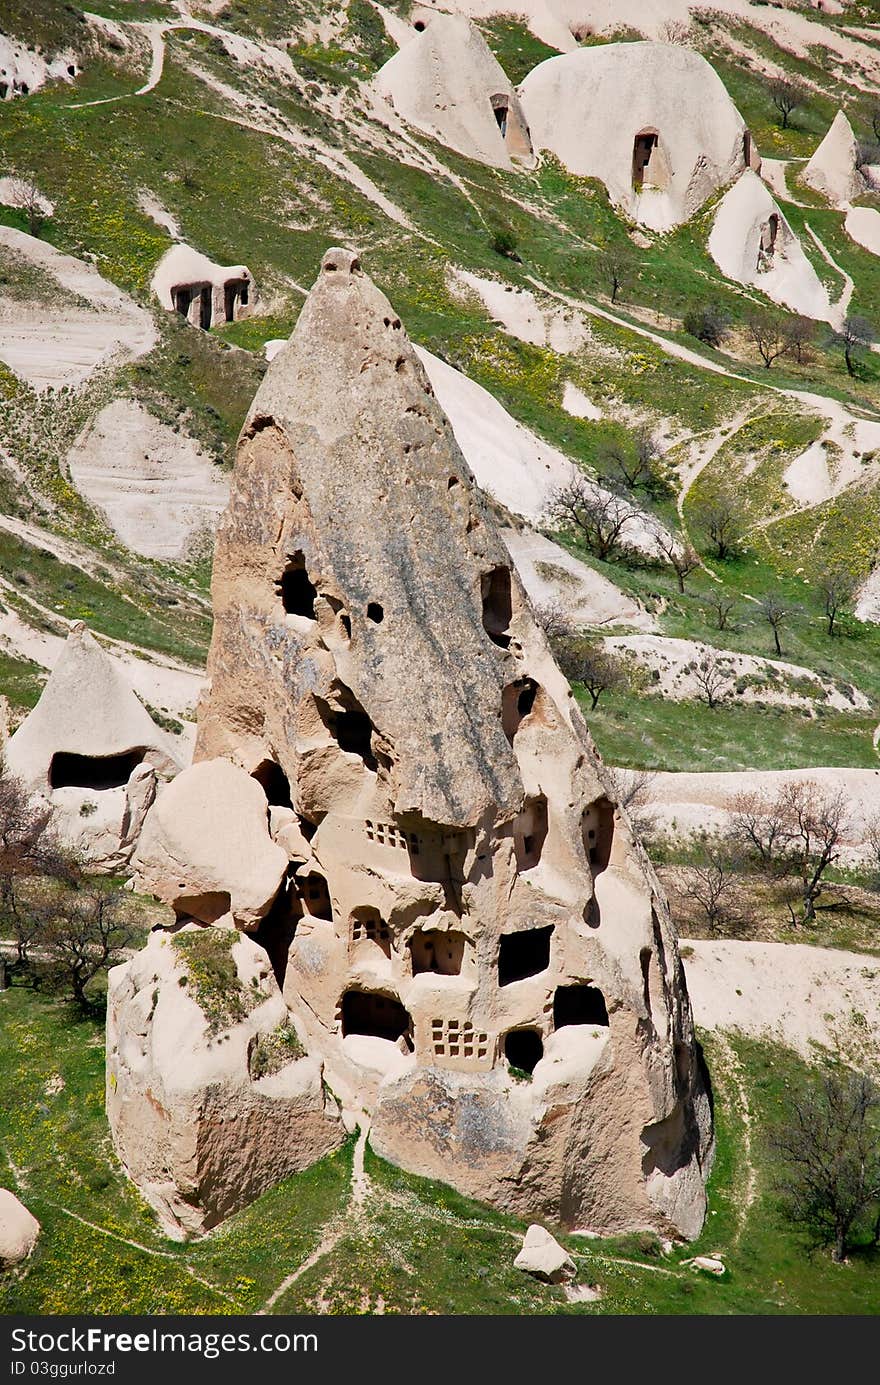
[468,938]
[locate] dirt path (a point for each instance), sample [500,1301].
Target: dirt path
[839,309]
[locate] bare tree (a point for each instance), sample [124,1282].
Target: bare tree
[712,680]
[836,586]
[584,661]
[855,336]
[776,612]
[872,842]
[675,31]
[633,462]
[597,517]
[800,333]
[26,197]
[768,332]
[787,96]
[554,620]
[713,887]
[722,606]
[85,932]
[758,825]
[632,789]
[614,266]
[682,557]
[719,517]
[875,120]
[814,824]
[828,1147]
[28,847]
[708,322]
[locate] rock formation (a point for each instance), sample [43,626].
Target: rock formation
[187,282]
[542,1256]
[752,242]
[19,1230]
[652,121]
[447,82]
[92,751]
[469,940]
[833,169]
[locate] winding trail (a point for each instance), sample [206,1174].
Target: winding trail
[740,1105]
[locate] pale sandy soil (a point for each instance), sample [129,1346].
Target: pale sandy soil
[689,803]
[551,576]
[798,995]
[156,487]
[863,226]
[64,343]
[674,660]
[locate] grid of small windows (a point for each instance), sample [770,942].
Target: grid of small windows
[387,834]
[372,929]
[459,1039]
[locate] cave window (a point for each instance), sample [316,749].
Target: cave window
[645,962]
[517,701]
[437,951]
[500,109]
[315,895]
[296,589]
[523,954]
[381,1016]
[354,732]
[387,834]
[455,1038]
[375,613]
[530,832]
[419,26]
[497,601]
[644,146]
[747,148]
[274,783]
[97,772]
[579,1005]
[597,830]
[367,925]
[524,1049]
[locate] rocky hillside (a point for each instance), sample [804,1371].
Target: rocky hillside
[695,372]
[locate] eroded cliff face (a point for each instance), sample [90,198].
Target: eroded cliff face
[471,943]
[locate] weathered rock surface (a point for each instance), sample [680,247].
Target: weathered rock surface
[205,848]
[543,1257]
[472,943]
[447,81]
[197,1127]
[19,1230]
[93,753]
[833,169]
[653,121]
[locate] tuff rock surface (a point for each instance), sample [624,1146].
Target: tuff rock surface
[19,1230]
[471,943]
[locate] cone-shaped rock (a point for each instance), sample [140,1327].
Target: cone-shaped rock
[469,939]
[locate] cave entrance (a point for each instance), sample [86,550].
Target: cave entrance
[524,1049]
[381,1016]
[315,895]
[497,598]
[206,307]
[579,1005]
[517,701]
[93,771]
[500,110]
[274,783]
[182,297]
[438,951]
[597,831]
[367,925]
[644,146]
[296,589]
[523,954]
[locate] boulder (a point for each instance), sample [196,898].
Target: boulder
[205,847]
[210,1096]
[19,1230]
[544,1257]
